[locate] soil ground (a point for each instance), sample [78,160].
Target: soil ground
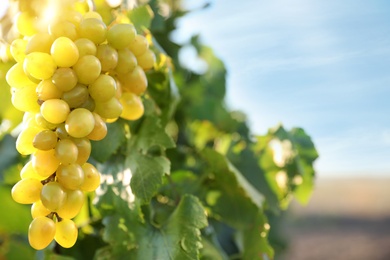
[346,219]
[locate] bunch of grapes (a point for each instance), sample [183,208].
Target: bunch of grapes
[71,77]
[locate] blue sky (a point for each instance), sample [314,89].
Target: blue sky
[320,65]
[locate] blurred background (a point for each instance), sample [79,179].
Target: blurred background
[323,66]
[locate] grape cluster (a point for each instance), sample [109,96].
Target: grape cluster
[71,77]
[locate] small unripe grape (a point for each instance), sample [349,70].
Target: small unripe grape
[18,49]
[45,140]
[108,57]
[100,129]
[66,151]
[133,107]
[64,52]
[126,61]
[65,79]
[74,201]
[139,45]
[39,65]
[55,111]
[41,232]
[40,42]
[85,47]
[91,178]
[76,96]
[63,29]
[66,233]
[109,109]
[134,81]
[45,163]
[88,69]
[103,88]
[38,210]
[47,90]
[26,191]
[121,35]
[53,196]
[70,176]
[147,59]
[80,123]
[93,29]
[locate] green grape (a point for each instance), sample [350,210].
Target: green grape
[53,196]
[126,61]
[85,47]
[63,29]
[26,191]
[18,49]
[121,36]
[91,178]
[38,210]
[109,109]
[76,96]
[84,148]
[26,23]
[16,77]
[43,123]
[87,69]
[93,29]
[108,57]
[92,14]
[103,88]
[29,172]
[40,42]
[147,59]
[134,81]
[25,99]
[66,151]
[74,202]
[64,52]
[45,163]
[24,142]
[47,90]
[100,129]
[66,233]
[139,45]
[55,111]
[80,123]
[70,176]
[133,107]
[65,79]
[41,232]
[45,140]
[39,65]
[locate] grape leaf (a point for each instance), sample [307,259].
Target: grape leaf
[141,17]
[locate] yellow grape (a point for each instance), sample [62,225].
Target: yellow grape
[92,14]
[70,176]
[26,191]
[43,123]
[84,148]
[88,104]
[41,232]
[108,57]
[139,45]
[16,77]
[88,69]
[40,42]
[91,178]
[66,233]
[39,65]
[24,142]
[18,49]
[38,210]
[74,201]
[73,17]
[77,96]
[29,172]
[25,99]
[66,151]
[134,81]
[147,59]
[61,132]
[63,29]
[80,123]
[133,107]
[85,47]
[45,163]
[47,90]
[103,88]
[109,109]
[64,52]
[121,36]
[45,140]
[93,29]
[99,130]
[26,23]
[126,61]
[55,111]
[53,196]
[65,79]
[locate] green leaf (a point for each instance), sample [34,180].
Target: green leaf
[141,17]
[116,135]
[228,193]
